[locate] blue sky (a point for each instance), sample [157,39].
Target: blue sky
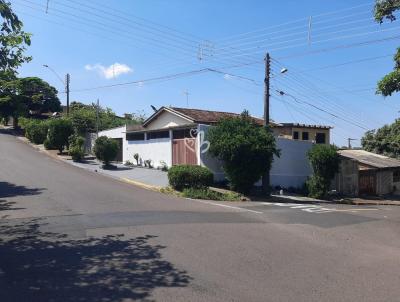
[330,78]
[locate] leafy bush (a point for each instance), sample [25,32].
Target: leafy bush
[147,163]
[48,145]
[59,132]
[36,131]
[186,176]
[324,160]
[206,193]
[317,187]
[76,147]
[164,166]
[128,163]
[105,149]
[246,149]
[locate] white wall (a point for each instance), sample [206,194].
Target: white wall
[291,169]
[206,160]
[154,149]
[167,119]
[114,132]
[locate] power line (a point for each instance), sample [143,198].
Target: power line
[256,39]
[325,111]
[148,25]
[296,21]
[105,26]
[261,47]
[346,63]
[140,82]
[343,46]
[313,91]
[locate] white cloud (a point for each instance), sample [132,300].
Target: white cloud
[110,72]
[227,77]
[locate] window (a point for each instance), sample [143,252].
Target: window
[158,134]
[184,133]
[304,136]
[396,176]
[320,138]
[296,135]
[135,136]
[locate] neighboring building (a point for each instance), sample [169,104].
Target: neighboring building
[366,173]
[313,133]
[176,136]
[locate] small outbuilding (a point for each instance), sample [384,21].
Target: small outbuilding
[367,173]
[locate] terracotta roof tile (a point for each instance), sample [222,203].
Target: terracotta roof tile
[208,116]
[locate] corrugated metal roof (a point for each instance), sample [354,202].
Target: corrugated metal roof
[371,159]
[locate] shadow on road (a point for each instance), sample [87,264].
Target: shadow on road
[11,190]
[42,266]
[11,131]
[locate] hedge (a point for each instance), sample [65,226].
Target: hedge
[186,176]
[36,131]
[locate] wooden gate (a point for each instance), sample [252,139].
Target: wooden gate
[367,182]
[184,151]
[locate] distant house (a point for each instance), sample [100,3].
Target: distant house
[366,173]
[314,133]
[174,136]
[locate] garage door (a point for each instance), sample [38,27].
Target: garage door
[367,182]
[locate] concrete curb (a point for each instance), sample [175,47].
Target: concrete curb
[140,184]
[384,203]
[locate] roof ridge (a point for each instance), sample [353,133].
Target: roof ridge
[227,112]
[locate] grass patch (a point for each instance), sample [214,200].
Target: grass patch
[208,194]
[170,191]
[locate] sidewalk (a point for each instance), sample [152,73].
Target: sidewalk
[138,175]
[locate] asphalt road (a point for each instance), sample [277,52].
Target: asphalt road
[67,234]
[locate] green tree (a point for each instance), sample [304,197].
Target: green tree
[389,84]
[10,102]
[59,131]
[19,97]
[245,148]
[13,40]
[105,149]
[83,118]
[38,95]
[385,140]
[324,160]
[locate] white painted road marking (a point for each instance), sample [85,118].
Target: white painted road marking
[310,208]
[226,206]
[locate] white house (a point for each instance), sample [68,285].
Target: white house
[175,136]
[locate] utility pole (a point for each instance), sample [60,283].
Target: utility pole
[67,80]
[266,177]
[97,118]
[349,142]
[187,98]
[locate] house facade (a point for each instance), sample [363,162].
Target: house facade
[312,133]
[173,136]
[366,173]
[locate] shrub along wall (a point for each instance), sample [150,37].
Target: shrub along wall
[36,131]
[186,176]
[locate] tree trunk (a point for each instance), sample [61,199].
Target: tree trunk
[15,122]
